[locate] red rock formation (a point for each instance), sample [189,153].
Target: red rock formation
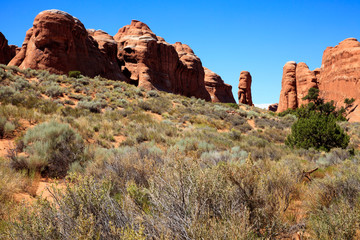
[219,91]
[340,72]
[337,79]
[6,52]
[244,92]
[60,43]
[273,107]
[288,95]
[305,79]
[149,61]
[106,43]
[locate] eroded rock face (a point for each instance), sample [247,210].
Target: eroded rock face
[340,72]
[149,61]
[305,79]
[6,52]
[106,43]
[218,90]
[59,43]
[337,79]
[244,93]
[288,95]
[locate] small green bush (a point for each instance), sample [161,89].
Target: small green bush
[75,74]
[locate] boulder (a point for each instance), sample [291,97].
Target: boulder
[59,43]
[273,107]
[218,90]
[6,52]
[152,63]
[244,93]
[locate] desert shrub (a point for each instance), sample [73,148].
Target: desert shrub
[250,197]
[270,134]
[54,90]
[157,105]
[10,182]
[20,83]
[50,148]
[6,92]
[6,127]
[74,74]
[126,164]
[333,204]
[93,106]
[335,156]
[233,105]
[84,210]
[29,73]
[153,93]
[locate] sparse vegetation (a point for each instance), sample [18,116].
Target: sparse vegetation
[140,164]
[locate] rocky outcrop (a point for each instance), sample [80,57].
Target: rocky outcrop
[288,95]
[106,43]
[273,107]
[149,61]
[305,79]
[6,52]
[218,90]
[296,81]
[59,43]
[340,72]
[244,93]
[337,79]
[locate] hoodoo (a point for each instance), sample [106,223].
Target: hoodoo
[244,92]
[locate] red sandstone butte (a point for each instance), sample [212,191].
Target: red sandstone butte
[244,93]
[219,91]
[6,52]
[59,43]
[150,62]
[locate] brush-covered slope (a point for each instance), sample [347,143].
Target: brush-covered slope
[138,164]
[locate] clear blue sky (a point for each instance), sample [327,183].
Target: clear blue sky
[228,36]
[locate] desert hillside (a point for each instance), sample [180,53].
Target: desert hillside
[92,158]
